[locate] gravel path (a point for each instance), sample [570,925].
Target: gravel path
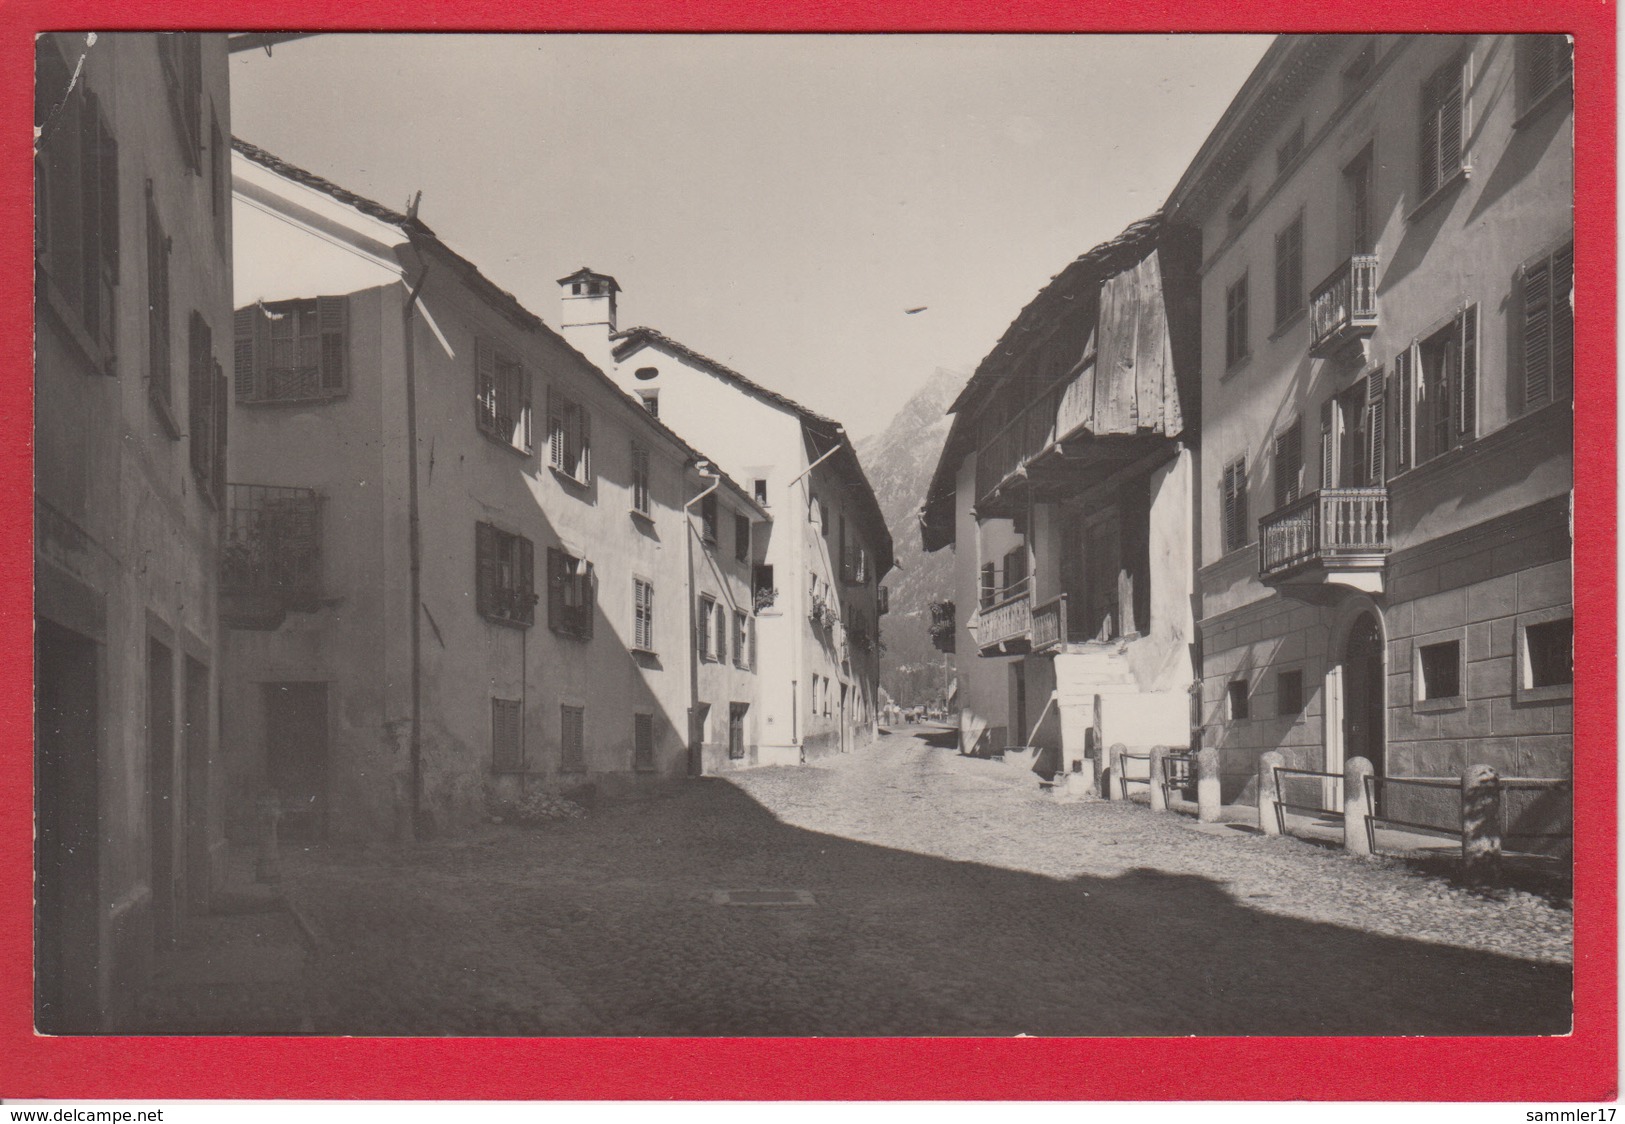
[949,897]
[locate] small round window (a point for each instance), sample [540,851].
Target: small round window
[647,373]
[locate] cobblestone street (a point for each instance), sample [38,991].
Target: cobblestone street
[948,897]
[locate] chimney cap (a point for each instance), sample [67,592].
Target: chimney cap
[585,274]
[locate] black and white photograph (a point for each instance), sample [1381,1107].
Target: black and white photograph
[803,535]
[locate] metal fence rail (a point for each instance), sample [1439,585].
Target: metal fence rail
[1328,790]
[1178,774]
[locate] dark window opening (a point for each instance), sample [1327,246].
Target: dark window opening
[1549,648]
[1440,665]
[1236,695]
[1289,693]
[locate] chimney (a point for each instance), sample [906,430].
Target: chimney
[587,314]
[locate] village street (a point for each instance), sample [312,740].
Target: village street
[939,895]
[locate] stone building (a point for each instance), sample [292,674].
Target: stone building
[817,593]
[132,269]
[1065,490]
[462,565]
[1387,371]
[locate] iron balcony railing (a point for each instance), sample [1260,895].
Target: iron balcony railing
[273,542]
[1344,306]
[1334,527]
[1008,619]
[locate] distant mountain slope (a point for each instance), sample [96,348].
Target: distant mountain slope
[899,463]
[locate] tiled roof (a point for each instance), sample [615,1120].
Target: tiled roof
[634,338]
[505,301]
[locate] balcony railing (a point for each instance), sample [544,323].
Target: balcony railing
[1334,528]
[1007,620]
[1344,306]
[273,544]
[1049,625]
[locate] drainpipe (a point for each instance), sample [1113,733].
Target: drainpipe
[414,554]
[696,751]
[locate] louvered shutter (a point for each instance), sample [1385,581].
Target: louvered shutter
[525,581]
[1452,122]
[107,167]
[703,623]
[588,598]
[243,352]
[1466,397]
[1403,408]
[1376,421]
[485,392]
[1563,318]
[524,407]
[751,626]
[221,413]
[333,319]
[1428,157]
[1288,465]
[555,589]
[584,449]
[1328,444]
[555,432]
[485,578]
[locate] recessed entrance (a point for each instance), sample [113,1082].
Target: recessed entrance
[1364,703]
[296,755]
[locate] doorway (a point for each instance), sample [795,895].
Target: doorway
[296,756]
[1364,697]
[66,940]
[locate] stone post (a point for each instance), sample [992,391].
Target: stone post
[1159,794]
[268,865]
[1208,792]
[1269,796]
[1480,823]
[1114,775]
[1356,806]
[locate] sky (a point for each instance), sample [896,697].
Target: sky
[776,202]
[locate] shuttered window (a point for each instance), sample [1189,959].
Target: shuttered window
[741,640]
[159,376]
[1545,62]
[741,538]
[202,411]
[292,351]
[569,440]
[181,53]
[1548,328]
[501,395]
[1329,419]
[1289,464]
[507,736]
[1444,125]
[1439,390]
[736,730]
[571,594]
[1233,502]
[1403,379]
[505,580]
[643,741]
[572,739]
[76,180]
[643,613]
[1289,291]
[1376,427]
[708,519]
[988,591]
[703,640]
[1235,322]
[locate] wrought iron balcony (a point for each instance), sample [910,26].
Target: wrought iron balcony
[1006,626]
[271,560]
[1343,308]
[1326,535]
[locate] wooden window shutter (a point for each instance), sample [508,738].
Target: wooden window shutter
[1466,397]
[1404,407]
[555,432]
[333,316]
[485,385]
[524,406]
[703,641]
[485,578]
[525,581]
[1288,464]
[1452,120]
[222,412]
[751,626]
[584,448]
[555,588]
[1563,318]
[1376,408]
[243,351]
[588,599]
[107,169]
[1328,443]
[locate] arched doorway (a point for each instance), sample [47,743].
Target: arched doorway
[1365,727]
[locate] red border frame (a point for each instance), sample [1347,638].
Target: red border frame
[1582,1066]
